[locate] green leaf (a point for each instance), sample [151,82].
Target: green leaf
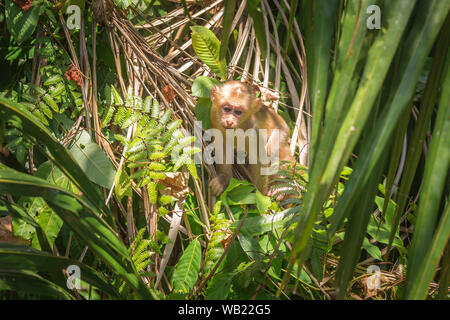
[427,268]
[84,219]
[92,160]
[122,4]
[250,246]
[319,36]
[333,155]
[53,174]
[147,107]
[433,186]
[165,117]
[219,286]
[238,192]
[254,10]
[187,269]
[122,184]
[50,223]
[203,111]
[56,152]
[266,223]
[372,249]
[292,12]
[355,233]
[26,222]
[152,192]
[15,258]
[45,109]
[380,232]
[262,202]
[207,47]
[229,7]
[50,102]
[415,145]
[192,168]
[202,86]
[31,283]
[155,109]
[21,24]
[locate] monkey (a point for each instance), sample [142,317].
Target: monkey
[235,106]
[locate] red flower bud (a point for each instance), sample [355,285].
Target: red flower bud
[24,4]
[74,74]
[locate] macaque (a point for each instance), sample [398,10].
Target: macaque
[235,106]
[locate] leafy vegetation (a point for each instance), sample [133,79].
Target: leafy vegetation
[99,150]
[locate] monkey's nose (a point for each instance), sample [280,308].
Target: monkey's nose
[229,123]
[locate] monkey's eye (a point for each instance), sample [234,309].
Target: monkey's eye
[227,109]
[237,112]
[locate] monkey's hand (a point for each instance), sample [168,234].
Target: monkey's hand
[218,184]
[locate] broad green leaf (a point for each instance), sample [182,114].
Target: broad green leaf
[372,249]
[265,223]
[262,202]
[203,111]
[50,223]
[50,102]
[187,269]
[21,23]
[25,222]
[238,192]
[24,225]
[219,286]
[147,107]
[202,86]
[380,232]
[52,174]
[207,47]
[152,192]
[250,246]
[94,162]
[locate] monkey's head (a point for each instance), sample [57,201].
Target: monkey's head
[233,102]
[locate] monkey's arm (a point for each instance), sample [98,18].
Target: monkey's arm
[220,182]
[224,169]
[277,148]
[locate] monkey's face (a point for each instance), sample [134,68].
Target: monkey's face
[231,116]
[232,104]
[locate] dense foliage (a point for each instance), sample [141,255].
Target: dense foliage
[98,146]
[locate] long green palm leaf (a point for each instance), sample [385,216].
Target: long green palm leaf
[379,60]
[436,167]
[81,217]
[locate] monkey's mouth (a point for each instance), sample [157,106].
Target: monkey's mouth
[229,126]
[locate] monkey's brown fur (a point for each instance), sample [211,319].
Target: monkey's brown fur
[235,105]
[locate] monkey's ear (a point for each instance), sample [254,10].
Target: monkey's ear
[213,92]
[257,104]
[255,88]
